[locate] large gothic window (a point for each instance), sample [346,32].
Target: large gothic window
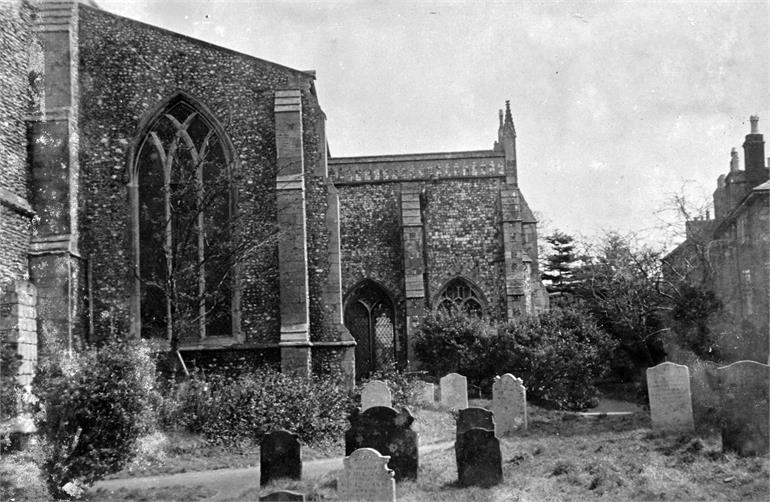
[459,295]
[370,318]
[184,217]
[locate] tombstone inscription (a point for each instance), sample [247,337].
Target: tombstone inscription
[280,457]
[668,388]
[375,393]
[389,432]
[454,391]
[479,461]
[744,389]
[509,404]
[366,477]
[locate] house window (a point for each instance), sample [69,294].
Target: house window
[459,295]
[184,214]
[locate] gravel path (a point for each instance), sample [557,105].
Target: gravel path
[229,483]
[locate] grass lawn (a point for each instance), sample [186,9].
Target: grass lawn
[561,457]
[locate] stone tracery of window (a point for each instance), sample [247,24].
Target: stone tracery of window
[184,218]
[458,295]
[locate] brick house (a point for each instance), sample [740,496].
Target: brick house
[157,186]
[730,253]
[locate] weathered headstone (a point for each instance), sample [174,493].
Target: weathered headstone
[744,387]
[389,432]
[366,477]
[668,387]
[454,391]
[509,404]
[280,457]
[426,392]
[479,461]
[475,418]
[283,496]
[375,393]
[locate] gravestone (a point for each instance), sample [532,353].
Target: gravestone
[366,477]
[454,391]
[375,393]
[509,404]
[743,389]
[668,387]
[475,418]
[279,457]
[283,496]
[479,461]
[389,432]
[426,392]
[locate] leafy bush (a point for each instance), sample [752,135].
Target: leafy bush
[95,405]
[455,342]
[558,355]
[10,390]
[228,409]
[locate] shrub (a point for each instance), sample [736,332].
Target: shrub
[228,409]
[558,355]
[95,406]
[10,390]
[454,342]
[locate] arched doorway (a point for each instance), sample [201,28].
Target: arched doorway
[370,318]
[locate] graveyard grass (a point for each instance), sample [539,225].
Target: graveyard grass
[561,457]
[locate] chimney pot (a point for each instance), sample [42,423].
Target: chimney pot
[754,119]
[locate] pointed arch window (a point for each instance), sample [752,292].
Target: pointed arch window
[183,217]
[460,295]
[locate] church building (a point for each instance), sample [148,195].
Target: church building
[153,185]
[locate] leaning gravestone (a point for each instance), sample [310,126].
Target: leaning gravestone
[389,432]
[475,418]
[509,404]
[743,389]
[282,496]
[454,391]
[479,461]
[279,457]
[375,393]
[668,387]
[425,392]
[366,477]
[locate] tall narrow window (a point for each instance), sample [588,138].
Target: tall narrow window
[184,218]
[458,295]
[369,315]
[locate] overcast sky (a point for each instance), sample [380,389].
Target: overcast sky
[617,106]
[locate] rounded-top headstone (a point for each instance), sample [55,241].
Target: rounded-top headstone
[375,393]
[668,389]
[509,404]
[454,391]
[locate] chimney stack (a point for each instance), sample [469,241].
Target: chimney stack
[754,154]
[734,162]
